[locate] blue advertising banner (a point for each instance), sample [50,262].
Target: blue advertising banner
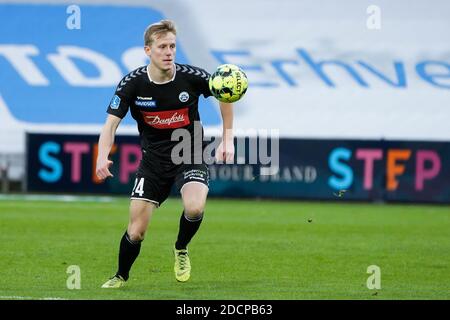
[304,169]
[65,71]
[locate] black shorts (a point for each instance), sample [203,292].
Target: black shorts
[154,185]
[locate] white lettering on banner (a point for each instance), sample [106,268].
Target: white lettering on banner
[307,174]
[360,72]
[110,73]
[364,74]
[19,57]
[233,173]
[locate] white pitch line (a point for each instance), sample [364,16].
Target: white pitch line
[29,298]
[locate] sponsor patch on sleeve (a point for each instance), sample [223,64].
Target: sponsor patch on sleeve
[115,102]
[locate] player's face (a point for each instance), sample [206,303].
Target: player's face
[162,51]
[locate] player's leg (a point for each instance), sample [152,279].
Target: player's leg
[145,197]
[130,244]
[194,199]
[194,191]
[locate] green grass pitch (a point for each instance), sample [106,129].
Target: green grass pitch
[244,250]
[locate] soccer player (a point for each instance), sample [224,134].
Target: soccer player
[162,97]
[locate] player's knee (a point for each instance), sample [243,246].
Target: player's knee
[136,235]
[194,209]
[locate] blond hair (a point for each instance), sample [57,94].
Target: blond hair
[158,28]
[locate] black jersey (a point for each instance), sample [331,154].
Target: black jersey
[161,108]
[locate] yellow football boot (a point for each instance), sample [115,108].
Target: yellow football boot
[114,282]
[182,266]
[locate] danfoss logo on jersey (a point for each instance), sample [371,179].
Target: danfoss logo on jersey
[167,119]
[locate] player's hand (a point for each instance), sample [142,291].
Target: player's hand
[102,170]
[225,151]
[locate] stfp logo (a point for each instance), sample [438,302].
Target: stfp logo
[184,96]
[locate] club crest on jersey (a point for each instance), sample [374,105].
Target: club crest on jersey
[145,102]
[115,102]
[184,96]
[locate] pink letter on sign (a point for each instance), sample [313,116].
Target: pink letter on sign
[127,167]
[421,172]
[76,149]
[369,156]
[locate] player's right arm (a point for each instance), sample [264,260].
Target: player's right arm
[105,143]
[117,109]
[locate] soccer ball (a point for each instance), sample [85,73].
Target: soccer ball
[229,83]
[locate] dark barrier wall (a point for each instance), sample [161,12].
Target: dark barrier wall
[308,169]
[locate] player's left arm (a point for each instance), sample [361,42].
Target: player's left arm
[225,150]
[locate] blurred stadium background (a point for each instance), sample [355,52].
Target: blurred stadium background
[358,91]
